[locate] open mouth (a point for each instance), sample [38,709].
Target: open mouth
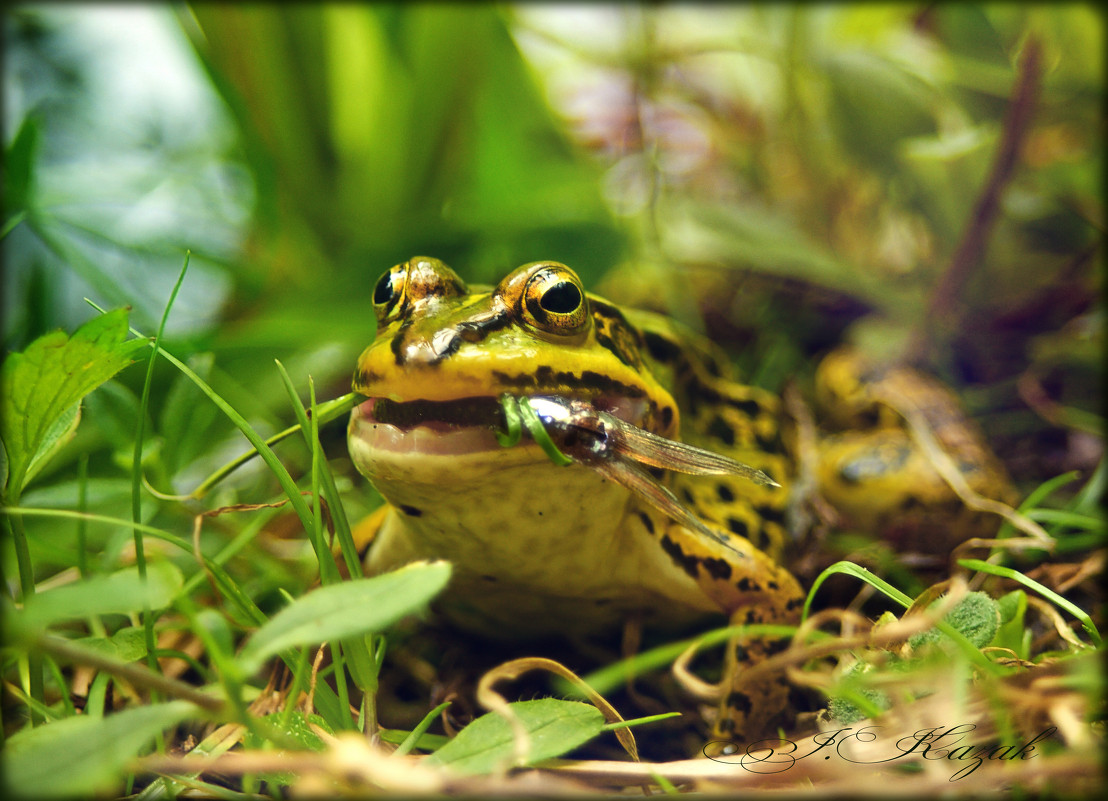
[481,411]
[458,426]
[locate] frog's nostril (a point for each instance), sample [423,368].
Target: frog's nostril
[445,343]
[423,350]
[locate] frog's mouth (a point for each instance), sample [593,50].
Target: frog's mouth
[464,425]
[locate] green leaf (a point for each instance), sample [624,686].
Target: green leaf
[19,164]
[126,645]
[59,433]
[976,616]
[554,726]
[82,756]
[44,382]
[875,104]
[120,593]
[1013,632]
[342,610]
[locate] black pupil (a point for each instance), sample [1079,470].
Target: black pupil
[382,293]
[562,298]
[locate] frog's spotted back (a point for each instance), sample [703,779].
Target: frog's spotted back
[739,421]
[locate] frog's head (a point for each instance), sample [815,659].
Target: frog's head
[445,354]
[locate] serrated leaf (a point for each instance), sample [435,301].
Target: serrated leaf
[51,376]
[122,592]
[342,610]
[554,726]
[82,756]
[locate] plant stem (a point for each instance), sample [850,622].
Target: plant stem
[14,524]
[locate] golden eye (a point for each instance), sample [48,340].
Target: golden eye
[554,300]
[388,294]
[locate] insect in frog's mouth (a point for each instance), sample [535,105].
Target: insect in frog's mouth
[464,425]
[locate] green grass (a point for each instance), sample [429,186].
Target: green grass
[779,179]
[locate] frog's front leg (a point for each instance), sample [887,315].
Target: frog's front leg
[750,707]
[753,589]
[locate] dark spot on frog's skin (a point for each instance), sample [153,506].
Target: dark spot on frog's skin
[524,381]
[647,523]
[719,429]
[545,376]
[661,349]
[667,416]
[869,418]
[738,526]
[717,568]
[794,603]
[487,577]
[724,492]
[772,585]
[657,472]
[603,601]
[365,377]
[701,392]
[747,406]
[746,585]
[777,646]
[410,510]
[740,653]
[874,463]
[397,344]
[771,513]
[726,726]
[911,504]
[739,701]
[686,493]
[680,558]
[772,444]
[618,344]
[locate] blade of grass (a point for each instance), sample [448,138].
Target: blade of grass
[849,568]
[413,736]
[1034,498]
[611,677]
[329,411]
[624,724]
[267,454]
[222,578]
[136,487]
[363,666]
[328,574]
[859,572]
[1046,592]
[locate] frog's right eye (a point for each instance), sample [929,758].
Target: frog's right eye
[388,294]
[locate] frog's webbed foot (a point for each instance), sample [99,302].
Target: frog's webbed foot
[752,701]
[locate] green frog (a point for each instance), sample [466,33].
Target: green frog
[538,547]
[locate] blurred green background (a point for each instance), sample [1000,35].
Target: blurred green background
[782,177]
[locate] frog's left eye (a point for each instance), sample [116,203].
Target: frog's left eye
[554,300]
[389,293]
